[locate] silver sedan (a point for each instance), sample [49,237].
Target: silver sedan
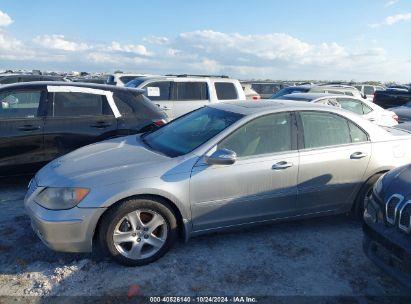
[226,165]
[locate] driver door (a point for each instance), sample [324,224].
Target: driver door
[261,185]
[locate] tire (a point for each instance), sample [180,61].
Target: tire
[138,231]
[362,197]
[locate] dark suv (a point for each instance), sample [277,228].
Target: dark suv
[40,121]
[387,224]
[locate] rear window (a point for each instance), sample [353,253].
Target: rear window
[225,90]
[368,90]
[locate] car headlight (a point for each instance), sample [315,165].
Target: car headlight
[61,198]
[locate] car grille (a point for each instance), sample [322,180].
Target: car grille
[405,217]
[391,208]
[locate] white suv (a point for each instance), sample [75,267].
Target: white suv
[180,94]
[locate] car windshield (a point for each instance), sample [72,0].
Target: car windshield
[289,90]
[190,131]
[134,83]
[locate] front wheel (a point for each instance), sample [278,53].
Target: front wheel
[138,231]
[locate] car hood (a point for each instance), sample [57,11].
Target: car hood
[105,162]
[397,181]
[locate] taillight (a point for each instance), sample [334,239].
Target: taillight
[395,117]
[256,97]
[160,122]
[373,98]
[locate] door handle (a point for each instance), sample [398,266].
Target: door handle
[100,125]
[358,155]
[28,128]
[162,107]
[371,119]
[282,165]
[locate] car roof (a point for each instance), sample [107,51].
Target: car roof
[258,107]
[33,84]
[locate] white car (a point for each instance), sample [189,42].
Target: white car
[360,106]
[249,92]
[369,90]
[120,79]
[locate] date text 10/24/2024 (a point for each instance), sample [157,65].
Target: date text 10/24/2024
[204,299]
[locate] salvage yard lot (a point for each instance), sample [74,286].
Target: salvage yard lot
[313,257]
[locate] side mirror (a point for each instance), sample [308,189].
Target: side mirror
[222,157]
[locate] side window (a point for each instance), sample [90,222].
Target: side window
[357,135]
[122,106]
[191,90]
[323,129]
[267,134]
[20,104]
[366,109]
[158,90]
[351,105]
[79,104]
[225,90]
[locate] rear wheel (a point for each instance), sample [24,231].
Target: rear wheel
[138,231]
[363,197]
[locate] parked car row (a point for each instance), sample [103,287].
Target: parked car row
[264,161]
[119,172]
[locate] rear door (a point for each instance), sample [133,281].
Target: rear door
[76,119]
[159,93]
[21,130]
[334,156]
[188,96]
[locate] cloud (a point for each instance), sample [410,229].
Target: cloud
[156,40]
[275,56]
[59,42]
[128,48]
[391,3]
[5,19]
[391,20]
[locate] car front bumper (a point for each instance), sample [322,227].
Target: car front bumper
[64,230]
[389,249]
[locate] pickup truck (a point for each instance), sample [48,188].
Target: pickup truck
[391,98]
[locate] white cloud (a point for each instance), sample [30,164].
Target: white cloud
[59,42]
[275,56]
[5,19]
[391,20]
[391,3]
[129,48]
[156,40]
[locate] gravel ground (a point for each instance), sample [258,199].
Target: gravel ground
[318,257]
